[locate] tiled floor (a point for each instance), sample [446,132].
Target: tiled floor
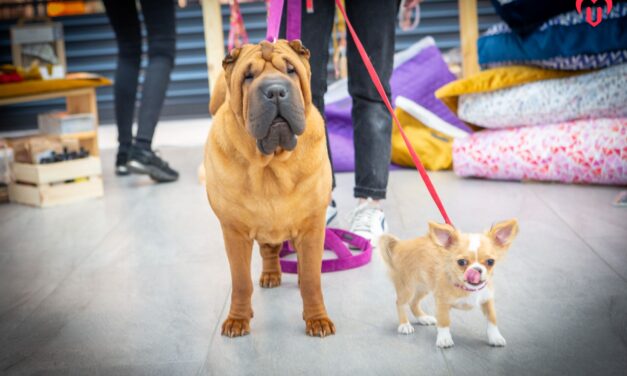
[138,283]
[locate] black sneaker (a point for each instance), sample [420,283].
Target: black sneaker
[142,161]
[120,163]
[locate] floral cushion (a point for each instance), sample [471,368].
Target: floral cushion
[585,151]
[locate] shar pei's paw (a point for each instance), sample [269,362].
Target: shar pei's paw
[320,327]
[270,279]
[235,327]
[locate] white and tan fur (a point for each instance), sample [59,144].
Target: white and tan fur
[431,264]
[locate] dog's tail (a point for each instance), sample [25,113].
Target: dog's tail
[387,243]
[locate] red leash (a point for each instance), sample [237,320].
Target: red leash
[274,21]
[377,83]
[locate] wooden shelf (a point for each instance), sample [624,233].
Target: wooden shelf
[78,101]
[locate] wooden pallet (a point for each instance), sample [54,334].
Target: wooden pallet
[56,183]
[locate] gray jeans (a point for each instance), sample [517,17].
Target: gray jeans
[372,123]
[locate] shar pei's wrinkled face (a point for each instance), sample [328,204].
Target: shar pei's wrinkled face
[269,91]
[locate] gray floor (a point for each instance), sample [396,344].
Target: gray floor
[138,283]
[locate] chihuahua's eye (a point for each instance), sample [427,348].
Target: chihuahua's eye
[462,262]
[490,262]
[249,76]
[290,69]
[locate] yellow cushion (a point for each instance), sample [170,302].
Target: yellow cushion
[434,148]
[496,79]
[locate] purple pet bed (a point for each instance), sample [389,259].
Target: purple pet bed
[418,72]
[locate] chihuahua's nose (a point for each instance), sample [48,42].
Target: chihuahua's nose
[478,269]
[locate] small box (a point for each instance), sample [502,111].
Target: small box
[56,183]
[40,42]
[58,123]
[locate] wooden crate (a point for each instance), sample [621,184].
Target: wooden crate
[56,183]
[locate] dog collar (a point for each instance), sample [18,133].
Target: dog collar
[479,287]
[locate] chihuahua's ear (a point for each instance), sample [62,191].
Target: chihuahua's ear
[503,233]
[443,235]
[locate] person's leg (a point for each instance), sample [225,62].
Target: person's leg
[375,26]
[315,35]
[125,23]
[159,18]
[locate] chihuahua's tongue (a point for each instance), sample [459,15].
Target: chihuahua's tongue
[472,276]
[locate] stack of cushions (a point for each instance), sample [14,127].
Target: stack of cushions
[542,125]
[418,72]
[565,41]
[567,124]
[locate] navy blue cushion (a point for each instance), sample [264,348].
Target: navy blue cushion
[524,16]
[562,36]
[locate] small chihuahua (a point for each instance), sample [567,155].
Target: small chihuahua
[456,267]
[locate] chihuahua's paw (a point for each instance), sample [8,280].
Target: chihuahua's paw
[235,327]
[319,327]
[494,336]
[270,279]
[426,320]
[444,339]
[406,328]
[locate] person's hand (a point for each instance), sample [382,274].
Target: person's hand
[405,20]
[411,4]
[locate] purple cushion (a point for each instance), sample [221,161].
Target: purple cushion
[416,77]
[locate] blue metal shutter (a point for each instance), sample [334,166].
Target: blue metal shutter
[90,47]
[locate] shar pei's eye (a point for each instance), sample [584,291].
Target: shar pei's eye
[249,76]
[290,69]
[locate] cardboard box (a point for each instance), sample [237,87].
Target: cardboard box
[61,122]
[32,149]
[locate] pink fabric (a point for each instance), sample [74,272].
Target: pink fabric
[472,276]
[584,151]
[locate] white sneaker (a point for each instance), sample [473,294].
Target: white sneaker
[368,221]
[331,212]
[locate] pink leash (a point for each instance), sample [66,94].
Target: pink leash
[332,240]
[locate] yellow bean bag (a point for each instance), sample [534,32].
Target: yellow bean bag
[433,144]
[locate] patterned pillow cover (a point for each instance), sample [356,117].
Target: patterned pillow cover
[585,151]
[592,95]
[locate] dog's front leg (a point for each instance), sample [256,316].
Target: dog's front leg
[494,335]
[310,247]
[238,249]
[444,339]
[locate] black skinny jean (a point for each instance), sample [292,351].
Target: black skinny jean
[375,23]
[159,20]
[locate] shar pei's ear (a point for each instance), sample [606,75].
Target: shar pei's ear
[230,58]
[297,46]
[229,61]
